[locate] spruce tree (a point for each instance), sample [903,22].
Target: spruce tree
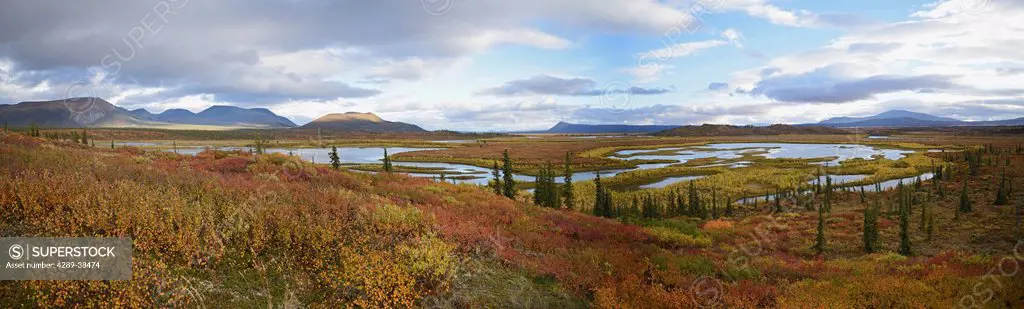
[496,182]
[508,183]
[609,210]
[567,189]
[599,196]
[539,188]
[870,228]
[965,200]
[694,209]
[778,202]
[85,137]
[335,159]
[904,224]
[828,194]
[1002,195]
[111,144]
[648,211]
[680,204]
[555,196]
[819,241]
[863,195]
[388,168]
[728,207]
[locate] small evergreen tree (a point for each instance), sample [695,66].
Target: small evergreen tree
[567,189]
[111,144]
[388,168]
[778,202]
[828,194]
[694,209]
[335,158]
[1002,192]
[819,241]
[538,188]
[870,227]
[728,207]
[599,196]
[904,211]
[85,137]
[496,182]
[508,183]
[680,204]
[965,200]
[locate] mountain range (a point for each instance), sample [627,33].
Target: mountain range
[730,130]
[902,118]
[360,122]
[96,112]
[572,128]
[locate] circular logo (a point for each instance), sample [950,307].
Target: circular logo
[16,252]
[707,291]
[79,97]
[974,6]
[437,7]
[617,96]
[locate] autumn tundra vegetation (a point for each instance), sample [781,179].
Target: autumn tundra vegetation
[256,229]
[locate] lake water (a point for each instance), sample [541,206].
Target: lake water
[885,185]
[359,155]
[668,181]
[677,155]
[841,152]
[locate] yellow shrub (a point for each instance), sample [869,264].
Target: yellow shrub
[672,237]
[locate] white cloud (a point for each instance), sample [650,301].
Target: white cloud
[681,49]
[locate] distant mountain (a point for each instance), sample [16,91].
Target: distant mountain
[893,114]
[236,116]
[360,122]
[730,130]
[70,113]
[902,118]
[572,128]
[96,112]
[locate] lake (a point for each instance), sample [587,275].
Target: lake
[677,155]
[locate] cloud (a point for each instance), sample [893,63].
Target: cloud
[873,48]
[1010,70]
[718,86]
[662,114]
[681,49]
[262,52]
[827,85]
[563,86]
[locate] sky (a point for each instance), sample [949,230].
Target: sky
[490,65]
